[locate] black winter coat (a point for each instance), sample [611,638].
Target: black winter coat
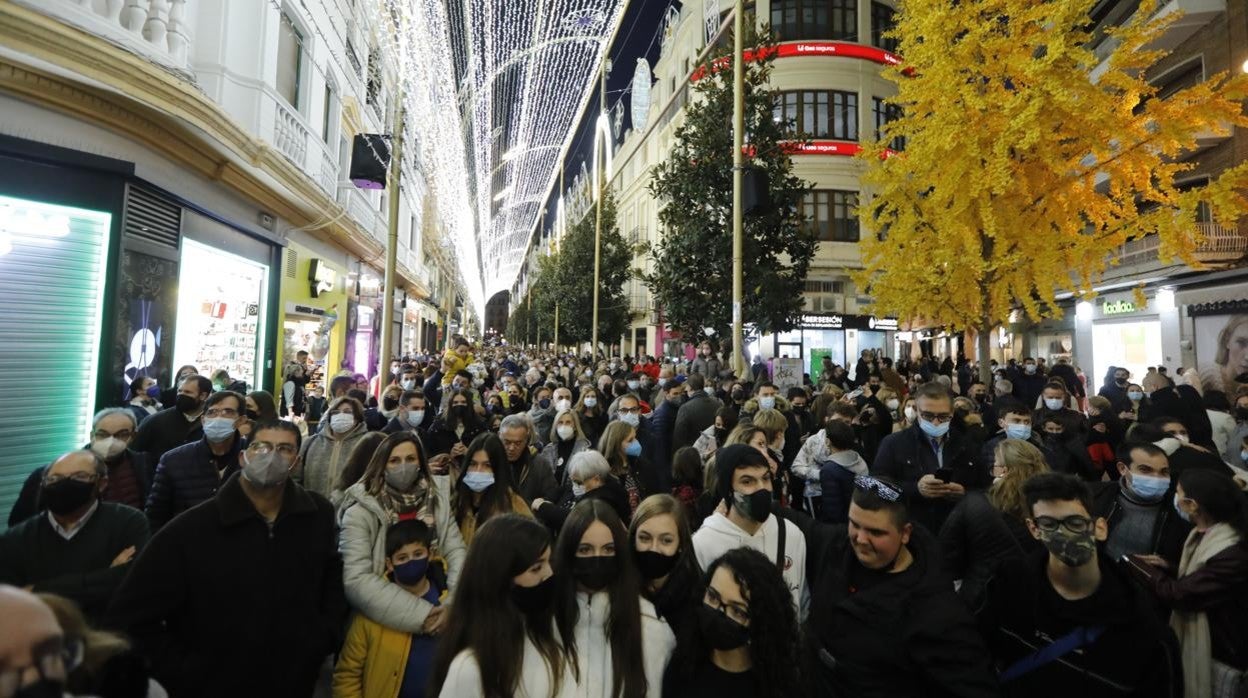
[441,437]
[186,476]
[908,455]
[976,540]
[224,604]
[906,636]
[662,427]
[1137,655]
[165,431]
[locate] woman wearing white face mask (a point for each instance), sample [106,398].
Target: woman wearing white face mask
[566,440]
[591,412]
[397,484]
[483,488]
[325,454]
[589,475]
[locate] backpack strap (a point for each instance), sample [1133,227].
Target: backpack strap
[1079,637]
[780,540]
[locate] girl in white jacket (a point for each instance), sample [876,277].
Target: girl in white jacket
[500,642]
[615,644]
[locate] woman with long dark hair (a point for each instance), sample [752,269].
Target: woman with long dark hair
[592,413]
[483,488]
[663,548]
[614,642]
[500,641]
[744,640]
[396,485]
[456,427]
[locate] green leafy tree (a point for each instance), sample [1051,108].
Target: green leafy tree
[519,329]
[573,280]
[692,273]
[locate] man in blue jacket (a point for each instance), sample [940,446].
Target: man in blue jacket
[193,473]
[662,427]
[934,465]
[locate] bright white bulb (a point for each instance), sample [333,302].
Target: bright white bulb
[1083,310]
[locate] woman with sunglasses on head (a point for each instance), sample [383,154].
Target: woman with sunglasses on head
[500,642]
[614,642]
[743,639]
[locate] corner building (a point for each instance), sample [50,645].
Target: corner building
[828,75]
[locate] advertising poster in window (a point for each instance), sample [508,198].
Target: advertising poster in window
[220,312]
[786,373]
[1221,343]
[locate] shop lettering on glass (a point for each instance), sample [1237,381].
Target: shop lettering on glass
[1118,308]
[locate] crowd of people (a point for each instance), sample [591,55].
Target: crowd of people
[501,522]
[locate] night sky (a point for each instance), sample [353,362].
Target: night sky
[637,38]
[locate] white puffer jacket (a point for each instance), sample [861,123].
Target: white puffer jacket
[362,542]
[593,649]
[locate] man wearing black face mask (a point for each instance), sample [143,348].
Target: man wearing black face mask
[745,485]
[1065,621]
[79,548]
[1115,390]
[180,424]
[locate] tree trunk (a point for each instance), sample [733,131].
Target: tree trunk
[984,343]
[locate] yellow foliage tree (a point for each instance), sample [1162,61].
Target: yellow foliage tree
[1024,168]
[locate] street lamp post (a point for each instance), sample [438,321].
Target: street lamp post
[392,242]
[738,174]
[601,184]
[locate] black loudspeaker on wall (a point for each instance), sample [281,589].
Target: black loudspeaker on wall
[755,190]
[370,158]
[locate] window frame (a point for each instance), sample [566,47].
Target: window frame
[878,27]
[815,20]
[830,227]
[836,111]
[286,16]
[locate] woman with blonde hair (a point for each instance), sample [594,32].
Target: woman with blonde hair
[984,530]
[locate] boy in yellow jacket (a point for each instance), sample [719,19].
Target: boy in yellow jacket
[380,662]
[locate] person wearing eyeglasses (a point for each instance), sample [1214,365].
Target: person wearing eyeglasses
[79,548]
[192,473]
[884,619]
[242,595]
[129,471]
[1066,620]
[742,634]
[35,658]
[934,465]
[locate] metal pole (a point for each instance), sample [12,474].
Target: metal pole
[738,176]
[602,184]
[558,246]
[392,239]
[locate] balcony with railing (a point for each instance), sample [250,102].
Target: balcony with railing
[158,30]
[364,212]
[1191,17]
[1221,245]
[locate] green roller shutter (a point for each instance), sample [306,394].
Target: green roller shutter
[52,269]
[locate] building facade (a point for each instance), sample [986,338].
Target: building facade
[828,78]
[174,190]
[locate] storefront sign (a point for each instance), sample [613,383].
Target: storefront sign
[1119,308]
[836,321]
[304,310]
[799,49]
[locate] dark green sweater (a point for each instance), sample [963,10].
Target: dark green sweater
[33,553]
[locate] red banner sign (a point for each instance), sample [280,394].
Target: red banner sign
[796,49]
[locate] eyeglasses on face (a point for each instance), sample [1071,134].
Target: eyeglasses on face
[228,412]
[1074,523]
[100,434]
[260,448]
